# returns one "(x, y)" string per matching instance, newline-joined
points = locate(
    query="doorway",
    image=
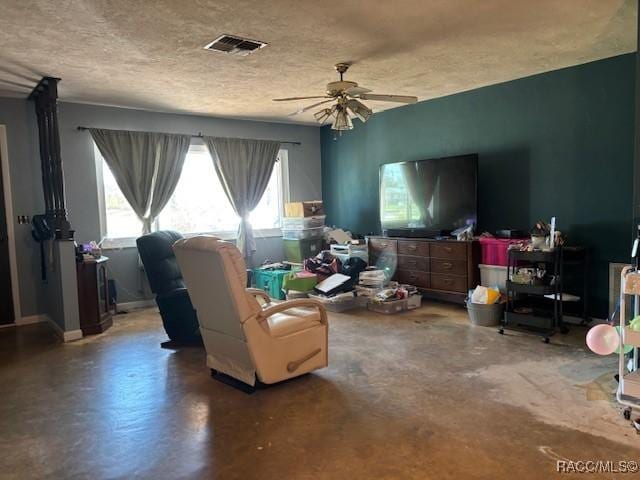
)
(7, 311)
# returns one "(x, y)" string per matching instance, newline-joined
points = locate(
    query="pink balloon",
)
(603, 339)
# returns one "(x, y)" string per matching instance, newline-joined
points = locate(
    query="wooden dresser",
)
(441, 269)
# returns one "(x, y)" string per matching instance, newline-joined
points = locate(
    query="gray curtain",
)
(146, 166)
(244, 168)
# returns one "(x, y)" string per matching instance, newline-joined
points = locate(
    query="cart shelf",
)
(628, 392)
(543, 321)
(530, 322)
(631, 337)
(535, 256)
(630, 384)
(530, 289)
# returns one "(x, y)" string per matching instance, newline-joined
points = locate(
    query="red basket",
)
(495, 250)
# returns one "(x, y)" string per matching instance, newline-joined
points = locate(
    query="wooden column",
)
(45, 96)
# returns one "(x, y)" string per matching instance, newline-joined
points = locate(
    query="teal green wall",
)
(558, 143)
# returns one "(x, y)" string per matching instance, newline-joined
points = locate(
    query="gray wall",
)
(81, 184)
(80, 172)
(61, 292)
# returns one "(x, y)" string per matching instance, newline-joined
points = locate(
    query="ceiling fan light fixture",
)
(322, 115)
(359, 109)
(347, 96)
(342, 121)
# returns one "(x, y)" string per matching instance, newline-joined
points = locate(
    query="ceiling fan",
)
(347, 96)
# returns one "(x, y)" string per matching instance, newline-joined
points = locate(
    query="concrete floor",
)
(419, 395)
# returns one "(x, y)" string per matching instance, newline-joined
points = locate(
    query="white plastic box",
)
(302, 234)
(390, 307)
(414, 301)
(339, 303)
(300, 223)
(493, 276)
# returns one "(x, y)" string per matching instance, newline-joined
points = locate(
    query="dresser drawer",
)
(412, 277)
(411, 247)
(454, 267)
(449, 250)
(453, 283)
(383, 245)
(383, 252)
(407, 262)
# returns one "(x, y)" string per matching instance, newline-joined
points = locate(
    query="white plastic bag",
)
(485, 296)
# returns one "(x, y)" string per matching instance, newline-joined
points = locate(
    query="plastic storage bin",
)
(302, 234)
(294, 294)
(485, 315)
(493, 276)
(270, 281)
(298, 250)
(299, 223)
(414, 301)
(495, 250)
(393, 306)
(340, 303)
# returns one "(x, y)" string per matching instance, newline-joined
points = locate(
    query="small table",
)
(93, 296)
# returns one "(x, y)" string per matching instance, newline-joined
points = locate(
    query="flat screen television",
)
(429, 197)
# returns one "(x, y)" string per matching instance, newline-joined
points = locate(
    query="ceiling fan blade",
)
(355, 91)
(309, 107)
(389, 98)
(298, 98)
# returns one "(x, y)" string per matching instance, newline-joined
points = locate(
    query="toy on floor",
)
(603, 339)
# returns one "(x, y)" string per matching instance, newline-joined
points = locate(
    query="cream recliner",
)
(243, 339)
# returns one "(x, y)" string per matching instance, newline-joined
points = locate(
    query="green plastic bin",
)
(298, 250)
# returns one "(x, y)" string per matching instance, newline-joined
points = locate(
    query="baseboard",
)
(72, 335)
(28, 320)
(69, 336)
(137, 304)
(31, 319)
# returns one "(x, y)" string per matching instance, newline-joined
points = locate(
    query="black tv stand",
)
(416, 233)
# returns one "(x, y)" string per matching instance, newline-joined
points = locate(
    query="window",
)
(198, 204)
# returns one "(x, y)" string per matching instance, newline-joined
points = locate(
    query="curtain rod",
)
(200, 135)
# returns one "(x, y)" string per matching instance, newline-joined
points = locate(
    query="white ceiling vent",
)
(235, 45)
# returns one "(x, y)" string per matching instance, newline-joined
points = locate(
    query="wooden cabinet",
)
(93, 296)
(441, 269)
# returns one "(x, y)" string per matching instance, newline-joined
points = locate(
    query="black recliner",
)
(178, 316)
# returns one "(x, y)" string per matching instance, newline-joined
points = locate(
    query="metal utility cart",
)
(628, 393)
(535, 308)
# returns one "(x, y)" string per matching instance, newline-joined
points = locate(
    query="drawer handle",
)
(384, 245)
(448, 249)
(412, 247)
(448, 281)
(412, 262)
(413, 277)
(447, 265)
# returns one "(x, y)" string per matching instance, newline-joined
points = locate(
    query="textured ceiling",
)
(148, 54)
